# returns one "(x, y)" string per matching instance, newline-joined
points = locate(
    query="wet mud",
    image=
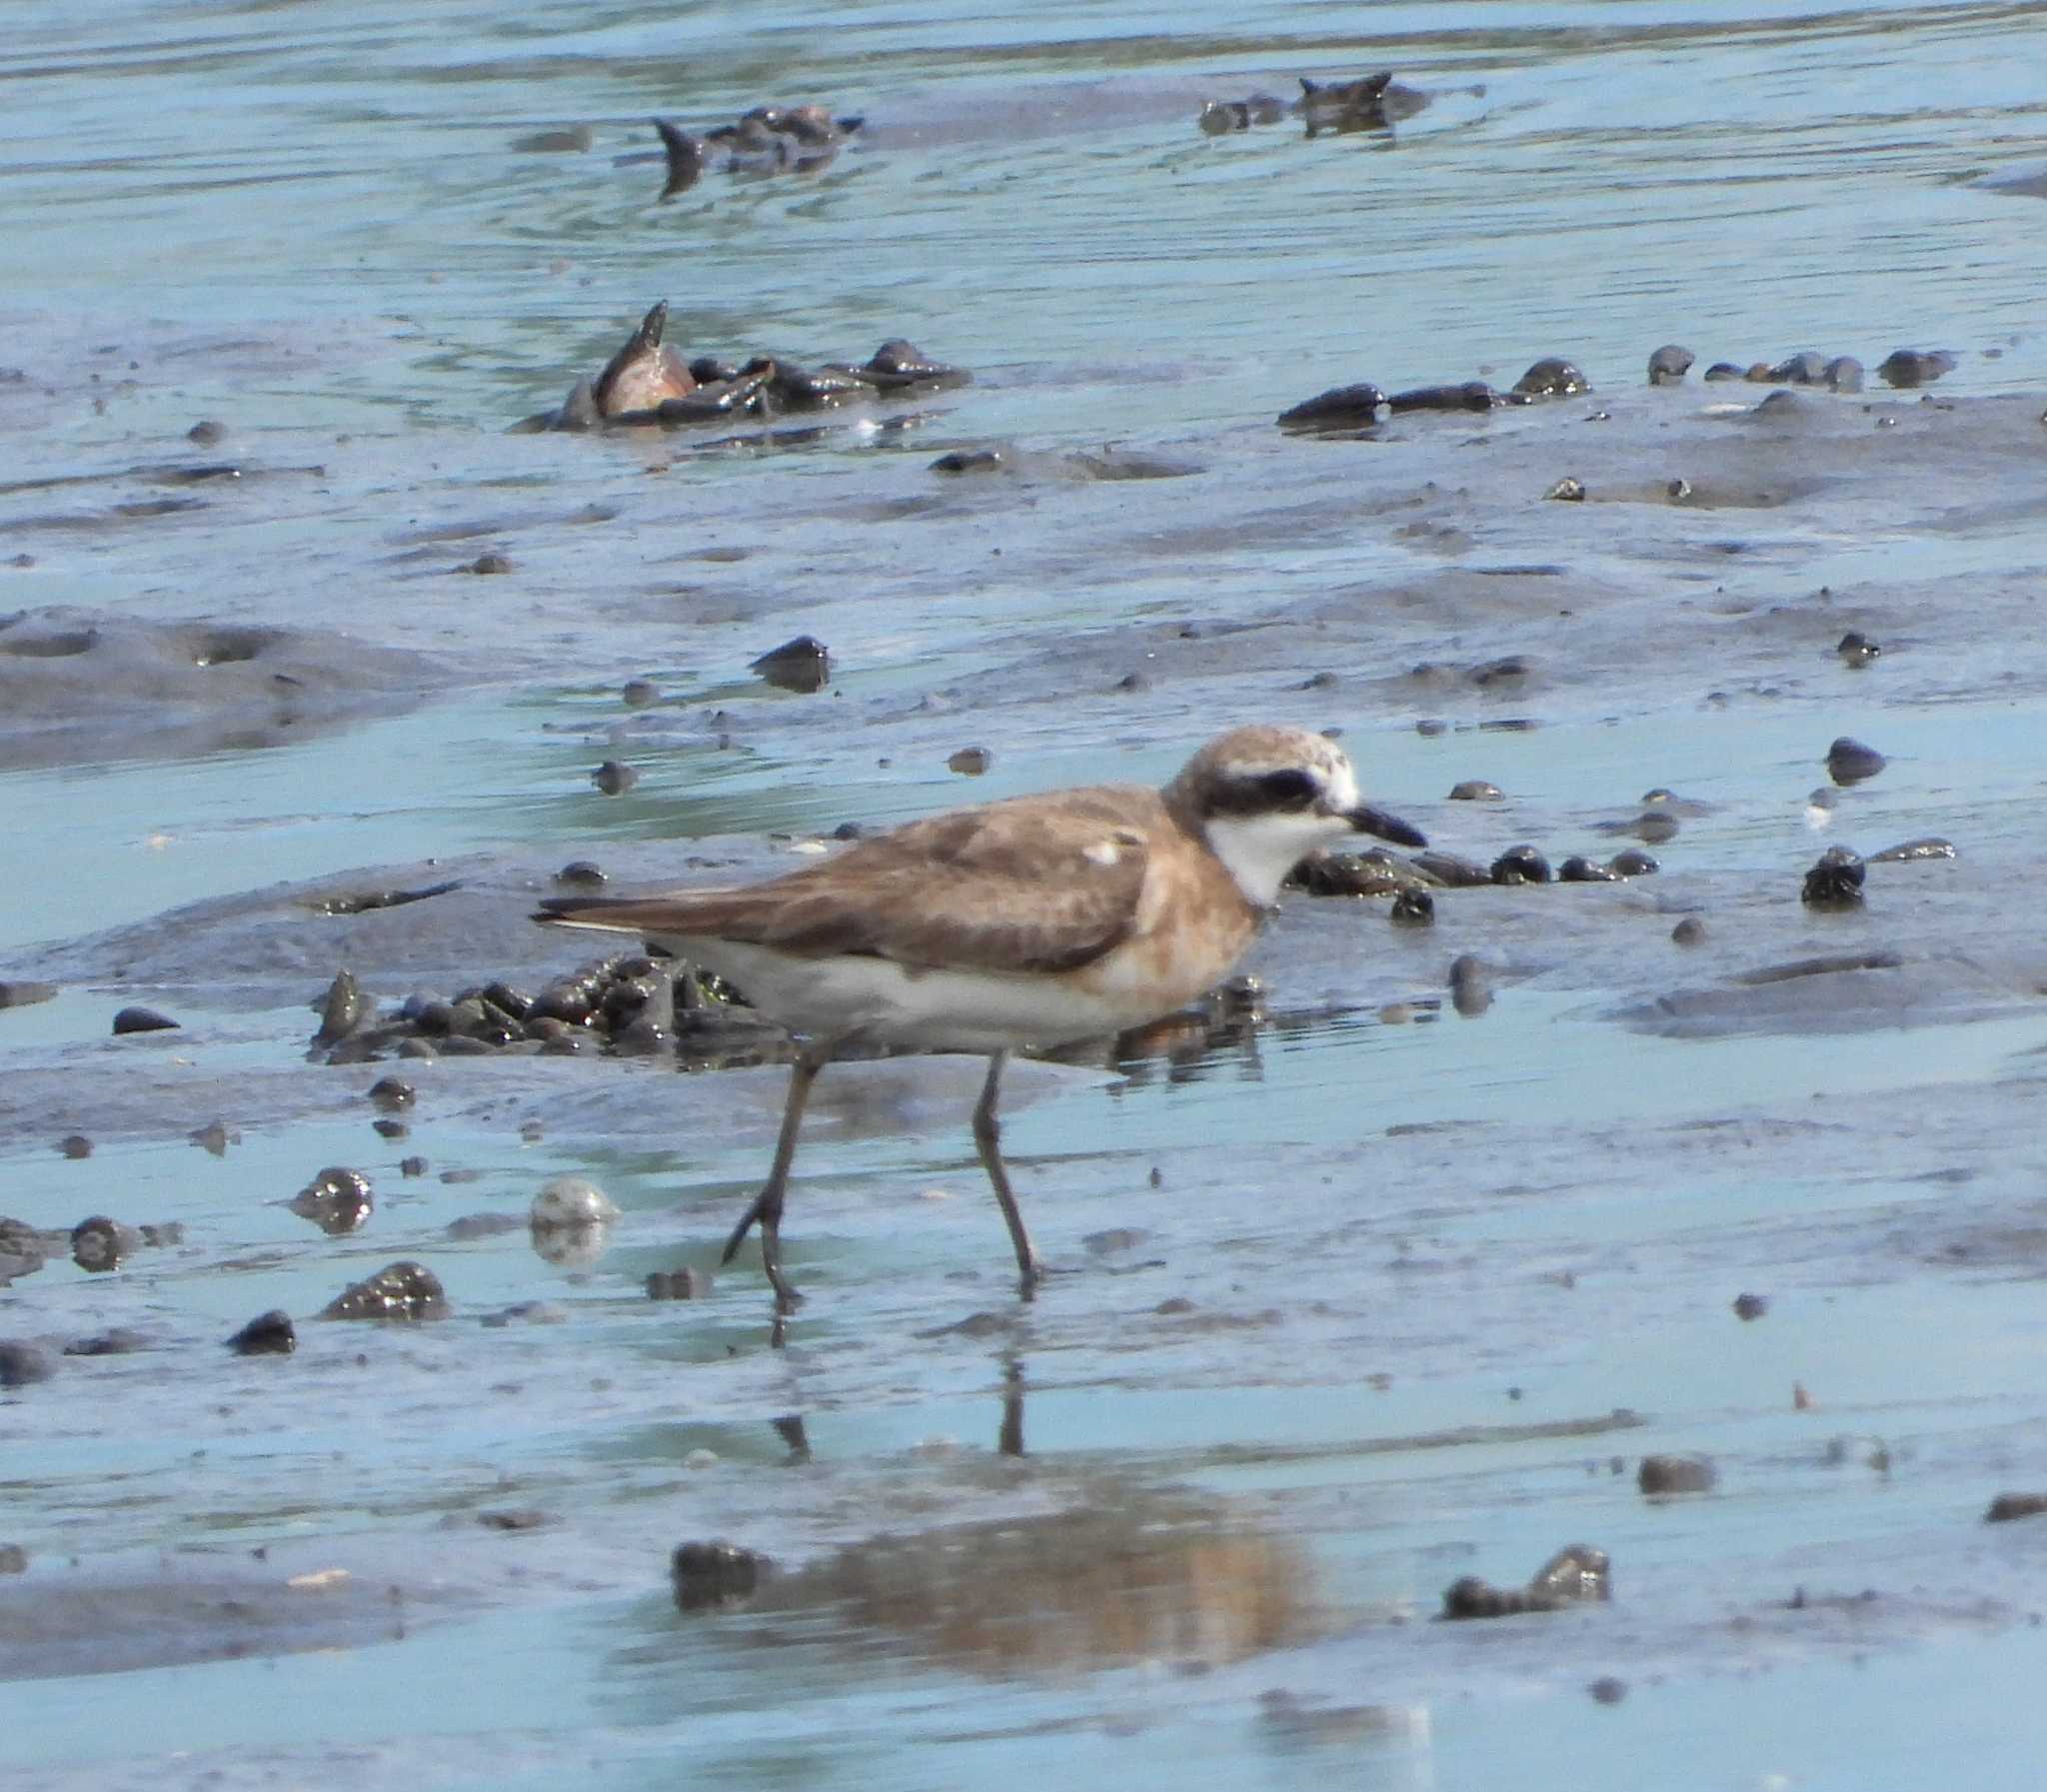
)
(1650, 1162)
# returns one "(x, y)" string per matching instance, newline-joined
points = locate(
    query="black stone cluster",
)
(1350, 409)
(629, 1004)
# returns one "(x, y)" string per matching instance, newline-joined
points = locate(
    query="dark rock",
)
(22, 994)
(1470, 986)
(13, 1559)
(581, 873)
(1835, 882)
(405, 1293)
(709, 1575)
(1750, 1306)
(1413, 908)
(268, 1334)
(337, 1201)
(142, 1021)
(1519, 865)
(678, 1284)
(971, 761)
(342, 1009)
(802, 665)
(1689, 932)
(614, 777)
(1359, 407)
(1850, 761)
(98, 1244)
(2007, 1507)
(972, 460)
(74, 1146)
(1914, 367)
(1660, 1475)
(21, 1363)
(487, 564)
(392, 1094)
(637, 694)
(1669, 364)
(117, 1341)
(1608, 1690)
(513, 1519)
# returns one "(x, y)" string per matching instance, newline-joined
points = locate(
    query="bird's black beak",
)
(1367, 819)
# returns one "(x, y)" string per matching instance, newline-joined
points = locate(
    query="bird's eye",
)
(1291, 789)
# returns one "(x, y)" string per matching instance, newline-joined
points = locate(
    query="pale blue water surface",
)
(1410, 1293)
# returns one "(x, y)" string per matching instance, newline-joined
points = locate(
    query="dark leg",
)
(767, 1205)
(987, 1141)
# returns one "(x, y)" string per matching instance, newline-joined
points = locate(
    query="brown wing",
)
(1040, 884)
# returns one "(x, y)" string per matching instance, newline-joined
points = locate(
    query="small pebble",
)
(21, 1363)
(1660, 1475)
(206, 432)
(637, 694)
(268, 1334)
(22, 994)
(614, 777)
(1606, 1690)
(1850, 761)
(1689, 932)
(142, 1021)
(2007, 1507)
(1750, 1306)
(971, 761)
(75, 1146)
(487, 564)
(572, 1201)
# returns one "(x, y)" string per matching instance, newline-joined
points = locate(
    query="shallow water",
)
(1409, 1294)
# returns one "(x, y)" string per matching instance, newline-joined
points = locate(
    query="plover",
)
(1036, 922)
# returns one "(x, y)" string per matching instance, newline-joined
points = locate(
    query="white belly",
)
(932, 1010)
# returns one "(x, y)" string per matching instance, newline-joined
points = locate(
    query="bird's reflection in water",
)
(1127, 1574)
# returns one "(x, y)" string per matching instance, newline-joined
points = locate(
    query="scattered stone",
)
(215, 1138)
(98, 1244)
(74, 1146)
(1850, 761)
(1519, 865)
(337, 1201)
(1576, 1574)
(614, 777)
(513, 1519)
(342, 1009)
(1669, 364)
(1689, 932)
(1341, 408)
(22, 1362)
(117, 1341)
(405, 1293)
(1413, 908)
(678, 1284)
(1750, 1306)
(1660, 1475)
(1914, 367)
(142, 1021)
(1470, 986)
(2007, 1507)
(971, 761)
(1911, 851)
(268, 1334)
(712, 1575)
(570, 1202)
(22, 994)
(802, 665)
(1835, 881)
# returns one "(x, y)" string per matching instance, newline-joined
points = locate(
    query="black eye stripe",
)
(1263, 792)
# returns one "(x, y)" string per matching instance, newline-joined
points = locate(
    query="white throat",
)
(1259, 851)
